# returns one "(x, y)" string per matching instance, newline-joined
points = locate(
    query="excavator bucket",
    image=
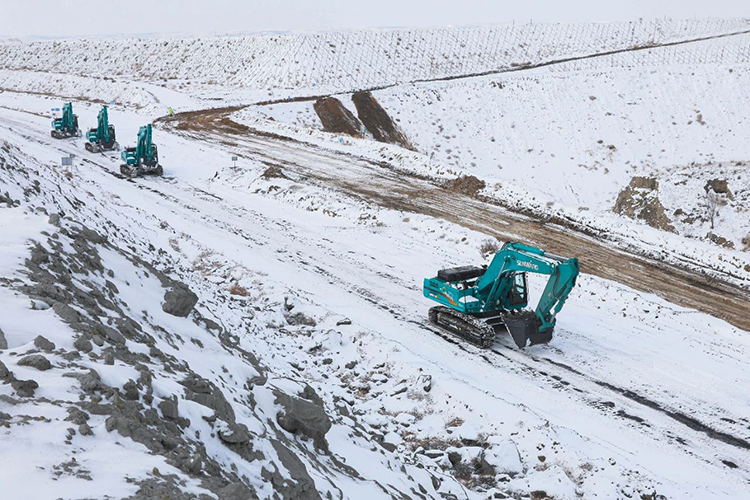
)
(524, 328)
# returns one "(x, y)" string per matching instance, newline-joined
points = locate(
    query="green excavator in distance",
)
(102, 137)
(143, 159)
(67, 125)
(480, 301)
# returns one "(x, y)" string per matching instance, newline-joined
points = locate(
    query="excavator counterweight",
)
(477, 302)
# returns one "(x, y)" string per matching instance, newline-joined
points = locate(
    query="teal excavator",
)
(143, 159)
(477, 302)
(67, 125)
(102, 138)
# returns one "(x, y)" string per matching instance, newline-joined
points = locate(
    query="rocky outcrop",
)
(640, 200)
(304, 416)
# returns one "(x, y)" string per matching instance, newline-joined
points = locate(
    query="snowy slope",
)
(251, 248)
(304, 365)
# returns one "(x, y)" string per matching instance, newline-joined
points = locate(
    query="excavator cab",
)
(518, 294)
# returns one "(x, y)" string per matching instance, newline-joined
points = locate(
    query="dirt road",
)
(382, 185)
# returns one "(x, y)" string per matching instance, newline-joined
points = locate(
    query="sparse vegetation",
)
(489, 248)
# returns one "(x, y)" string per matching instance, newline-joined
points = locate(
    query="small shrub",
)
(238, 289)
(489, 248)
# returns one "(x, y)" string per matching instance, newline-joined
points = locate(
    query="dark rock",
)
(236, 491)
(454, 457)
(299, 319)
(35, 361)
(350, 365)
(302, 486)
(301, 415)
(328, 361)
(83, 344)
(66, 313)
(90, 382)
(131, 390)
(3, 341)
(309, 393)
(169, 409)
(110, 334)
(85, 430)
(96, 339)
(197, 384)
(44, 344)
(179, 301)
(4, 372)
(388, 446)
(24, 388)
(76, 416)
(203, 392)
(344, 322)
(234, 434)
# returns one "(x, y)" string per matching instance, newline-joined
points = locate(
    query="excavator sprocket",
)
(469, 328)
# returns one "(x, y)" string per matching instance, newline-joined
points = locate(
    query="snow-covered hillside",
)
(257, 329)
(567, 140)
(330, 62)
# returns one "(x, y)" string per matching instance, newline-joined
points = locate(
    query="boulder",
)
(35, 361)
(303, 416)
(83, 344)
(179, 301)
(44, 344)
(24, 388)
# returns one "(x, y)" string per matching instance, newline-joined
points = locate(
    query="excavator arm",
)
(516, 257)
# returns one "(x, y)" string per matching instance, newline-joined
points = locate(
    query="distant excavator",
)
(102, 138)
(480, 301)
(143, 159)
(67, 125)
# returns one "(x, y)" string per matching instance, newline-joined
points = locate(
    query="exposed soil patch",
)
(468, 185)
(336, 118)
(640, 200)
(378, 122)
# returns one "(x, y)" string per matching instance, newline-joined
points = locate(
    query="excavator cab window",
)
(518, 291)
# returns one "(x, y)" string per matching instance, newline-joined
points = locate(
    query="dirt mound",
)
(336, 118)
(468, 185)
(719, 186)
(640, 200)
(377, 121)
(273, 172)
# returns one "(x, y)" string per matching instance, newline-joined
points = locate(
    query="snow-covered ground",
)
(565, 140)
(298, 284)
